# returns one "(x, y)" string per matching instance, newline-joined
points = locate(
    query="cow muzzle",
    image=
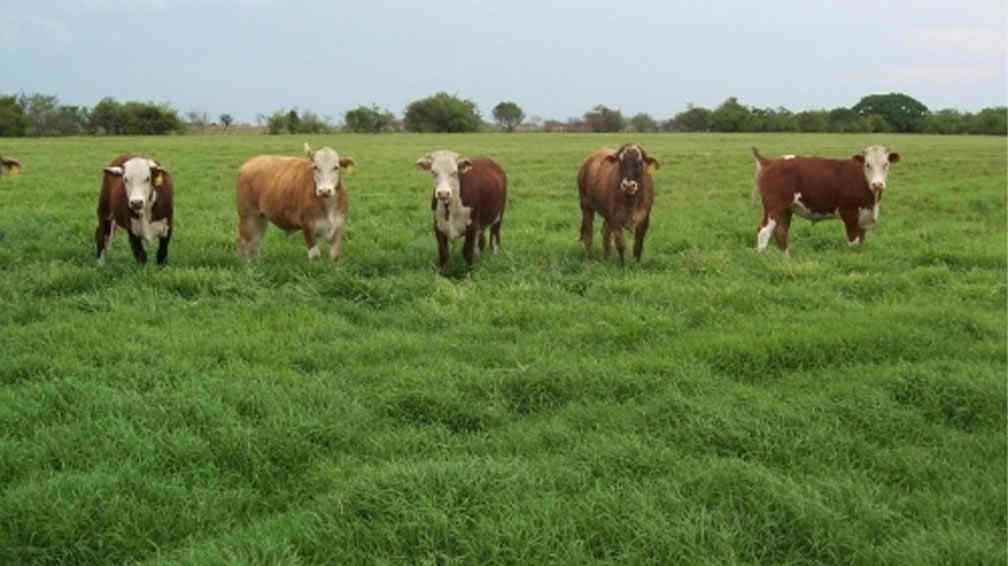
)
(325, 192)
(629, 187)
(136, 203)
(877, 185)
(442, 194)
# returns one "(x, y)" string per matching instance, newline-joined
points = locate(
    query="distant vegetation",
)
(44, 115)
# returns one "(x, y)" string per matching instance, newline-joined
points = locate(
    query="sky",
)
(555, 59)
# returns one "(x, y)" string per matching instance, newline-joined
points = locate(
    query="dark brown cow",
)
(294, 194)
(136, 194)
(617, 184)
(469, 196)
(10, 166)
(820, 189)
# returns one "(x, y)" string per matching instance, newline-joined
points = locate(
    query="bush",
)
(604, 119)
(442, 112)
(371, 120)
(509, 115)
(13, 121)
(643, 122)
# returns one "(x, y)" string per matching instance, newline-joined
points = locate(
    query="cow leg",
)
(766, 228)
(620, 242)
(162, 250)
(781, 231)
(103, 235)
(309, 239)
(334, 243)
(138, 250)
(606, 239)
(442, 246)
(587, 219)
(855, 233)
(482, 240)
(638, 244)
(469, 247)
(495, 236)
(250, 233)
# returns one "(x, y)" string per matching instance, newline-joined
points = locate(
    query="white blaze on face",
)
(446, 169)
(875, 161)
(325, 169)
(139, 176)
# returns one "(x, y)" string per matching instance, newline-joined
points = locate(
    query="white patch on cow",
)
(314, 253)
(799, 208)
(855, 242)
(867, 217)
(788, 156)
(327, 226)
(147, 229)
(325, 170)
(453, 219)
(876, 161)
(763, 237)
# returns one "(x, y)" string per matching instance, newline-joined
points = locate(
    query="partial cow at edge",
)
(294, 194)
(469, 195)
(617, 184)
(10, 166)
(817, 188)
(137, 195)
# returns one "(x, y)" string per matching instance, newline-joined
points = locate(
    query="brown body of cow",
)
(284, 190)
(483, 189)
(616, 184)
(10, 166)
(817, 188)
(154, 220)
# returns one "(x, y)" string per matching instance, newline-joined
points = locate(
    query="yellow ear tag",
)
(651, 168)
(349, 168)
(14, 170)
(158, 180)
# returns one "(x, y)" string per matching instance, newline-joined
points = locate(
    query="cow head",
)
(634, 163)
(326, 164)
(140, 176)
(446, 168)
(875, 160)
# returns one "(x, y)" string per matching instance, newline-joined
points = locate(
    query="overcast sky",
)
(556, 59)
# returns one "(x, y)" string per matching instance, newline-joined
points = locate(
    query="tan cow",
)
(10, 166)
(294, 194)
(617, 184)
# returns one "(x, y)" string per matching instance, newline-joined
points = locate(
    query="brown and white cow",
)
(294, 194)
(617, 184)
(10, 166)
(820, 189)
(136, 194)
(469, 195)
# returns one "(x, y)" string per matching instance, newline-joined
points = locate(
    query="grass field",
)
(710, 405)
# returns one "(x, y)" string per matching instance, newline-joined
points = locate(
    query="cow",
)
(469, 195)
(817, 188)
(617, 184)
(294, 194)
(10, 166)
(136, 194)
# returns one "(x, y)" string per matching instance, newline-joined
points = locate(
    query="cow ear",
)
(893, 157)
(308, 151)
(464, 166)
(858, 157)
(115, 171)
(157, 174)
(652, 164)
(613, 156)
(424, 163)
(347, 164)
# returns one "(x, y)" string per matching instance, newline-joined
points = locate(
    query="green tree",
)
(509, 115)
(812, 121)
(990, 121)
(226, 119)
(841, 119)
(363, 119)
(604, 119)
(293, 121)
(442, 112)
(105, 117)
(903, 113)
(731, 116)
(40, 109)
(693, 119)
(643, 122)
(13, 121)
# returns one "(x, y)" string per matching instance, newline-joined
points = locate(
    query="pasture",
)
(710, 405)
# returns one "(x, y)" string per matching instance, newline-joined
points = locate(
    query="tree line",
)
(43, 115)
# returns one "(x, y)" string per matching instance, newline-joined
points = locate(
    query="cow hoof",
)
(314, 254)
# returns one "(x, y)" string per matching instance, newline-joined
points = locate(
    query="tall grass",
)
(708, 405)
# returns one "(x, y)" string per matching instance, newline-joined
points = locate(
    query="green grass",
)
(710, 405)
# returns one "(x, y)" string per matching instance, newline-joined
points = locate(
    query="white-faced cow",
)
(617, 184)
(294, 194)
(820, 189)
(469, 195)
(137, 195)
(10, 166)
